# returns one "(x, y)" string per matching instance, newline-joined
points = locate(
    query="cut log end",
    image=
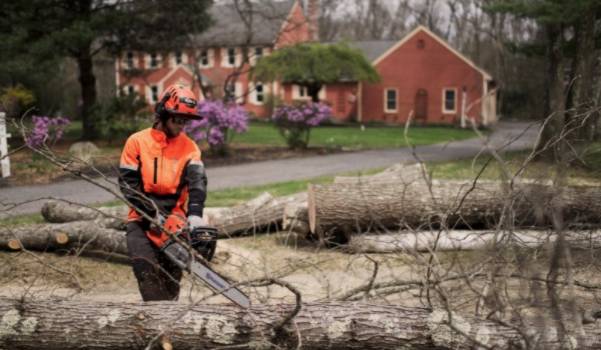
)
(61, 238)
(14, 244)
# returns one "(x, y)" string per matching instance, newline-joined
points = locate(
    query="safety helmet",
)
(178, 100)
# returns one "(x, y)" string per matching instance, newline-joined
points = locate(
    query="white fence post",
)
(4, 160)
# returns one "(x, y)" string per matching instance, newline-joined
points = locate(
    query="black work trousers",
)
(158, 278)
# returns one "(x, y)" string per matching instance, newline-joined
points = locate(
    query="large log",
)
(64, 325)
(459, 240)
(254, 216)
(58, 212)
(111, 217)
(342, 209)
(90, 235)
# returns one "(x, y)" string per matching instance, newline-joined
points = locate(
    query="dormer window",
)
(178, 57)
(204, 58)
(154, 60)
(231, 56)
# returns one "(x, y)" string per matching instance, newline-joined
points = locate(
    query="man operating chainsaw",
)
(163, 177)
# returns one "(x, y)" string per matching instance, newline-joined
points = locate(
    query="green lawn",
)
(587, 173)
(355, 137)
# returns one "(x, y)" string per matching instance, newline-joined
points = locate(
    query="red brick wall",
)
(295, 30)
(432, 68)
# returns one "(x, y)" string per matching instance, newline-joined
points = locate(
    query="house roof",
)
(229, 29)
(372, 49)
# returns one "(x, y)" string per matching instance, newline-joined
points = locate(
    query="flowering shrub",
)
(46, 130)
(217, 124)
(295, 122)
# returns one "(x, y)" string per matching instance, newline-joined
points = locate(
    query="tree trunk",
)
(581, 96)
(253, 217)
(426, 241)
(79, 235)
(550, 145)
(68, 325)
(337, 210)
(59, 212)
(313, 91)
(87, 82)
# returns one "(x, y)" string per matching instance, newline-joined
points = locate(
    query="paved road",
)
(510, 135)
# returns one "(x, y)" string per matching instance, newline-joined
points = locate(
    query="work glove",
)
(195, 221)
(202, 238)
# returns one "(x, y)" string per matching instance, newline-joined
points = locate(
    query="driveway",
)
(506, 135)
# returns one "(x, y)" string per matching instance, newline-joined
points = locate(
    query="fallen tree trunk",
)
(341, 209)
(68, 325)
(79, 235)
(110, 217)
(254, 216)
(458, 240)
(59, 212)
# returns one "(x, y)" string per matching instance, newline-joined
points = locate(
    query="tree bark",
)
(87, 81)
(253, 217)
(338, 210)
(79, 235)
(59, 212)
(68, 325)
(460, 240)
(550, 145)
(581, 95)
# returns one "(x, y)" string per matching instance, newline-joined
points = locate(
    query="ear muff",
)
(159, 108)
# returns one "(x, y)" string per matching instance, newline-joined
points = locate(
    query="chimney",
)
(313, 18)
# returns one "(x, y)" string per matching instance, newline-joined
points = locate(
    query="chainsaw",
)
(204, 241)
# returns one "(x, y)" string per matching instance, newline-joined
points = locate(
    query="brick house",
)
(424, 76)
(222, 55)
(421, 74)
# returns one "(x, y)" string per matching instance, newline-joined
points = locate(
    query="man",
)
(162, 176)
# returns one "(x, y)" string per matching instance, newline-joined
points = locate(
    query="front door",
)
(421, 105)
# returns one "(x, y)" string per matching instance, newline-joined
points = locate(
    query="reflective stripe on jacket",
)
(167, 171)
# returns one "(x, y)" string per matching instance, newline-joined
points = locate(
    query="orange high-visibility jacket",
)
(168, 171)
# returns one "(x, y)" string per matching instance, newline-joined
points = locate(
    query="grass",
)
(587, 173)
(355, 136)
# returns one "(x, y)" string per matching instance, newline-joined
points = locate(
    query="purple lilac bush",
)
(295, 122)
(218, 122)
(46, 130)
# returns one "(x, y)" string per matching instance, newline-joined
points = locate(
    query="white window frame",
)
(444, 100)
(130, 90)
(396, 100)
(297, 89)
(174, 59)
(254, 95)
(148, 59)
(210, 57)
(225, 57)
(254, 57)
(149, 94)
